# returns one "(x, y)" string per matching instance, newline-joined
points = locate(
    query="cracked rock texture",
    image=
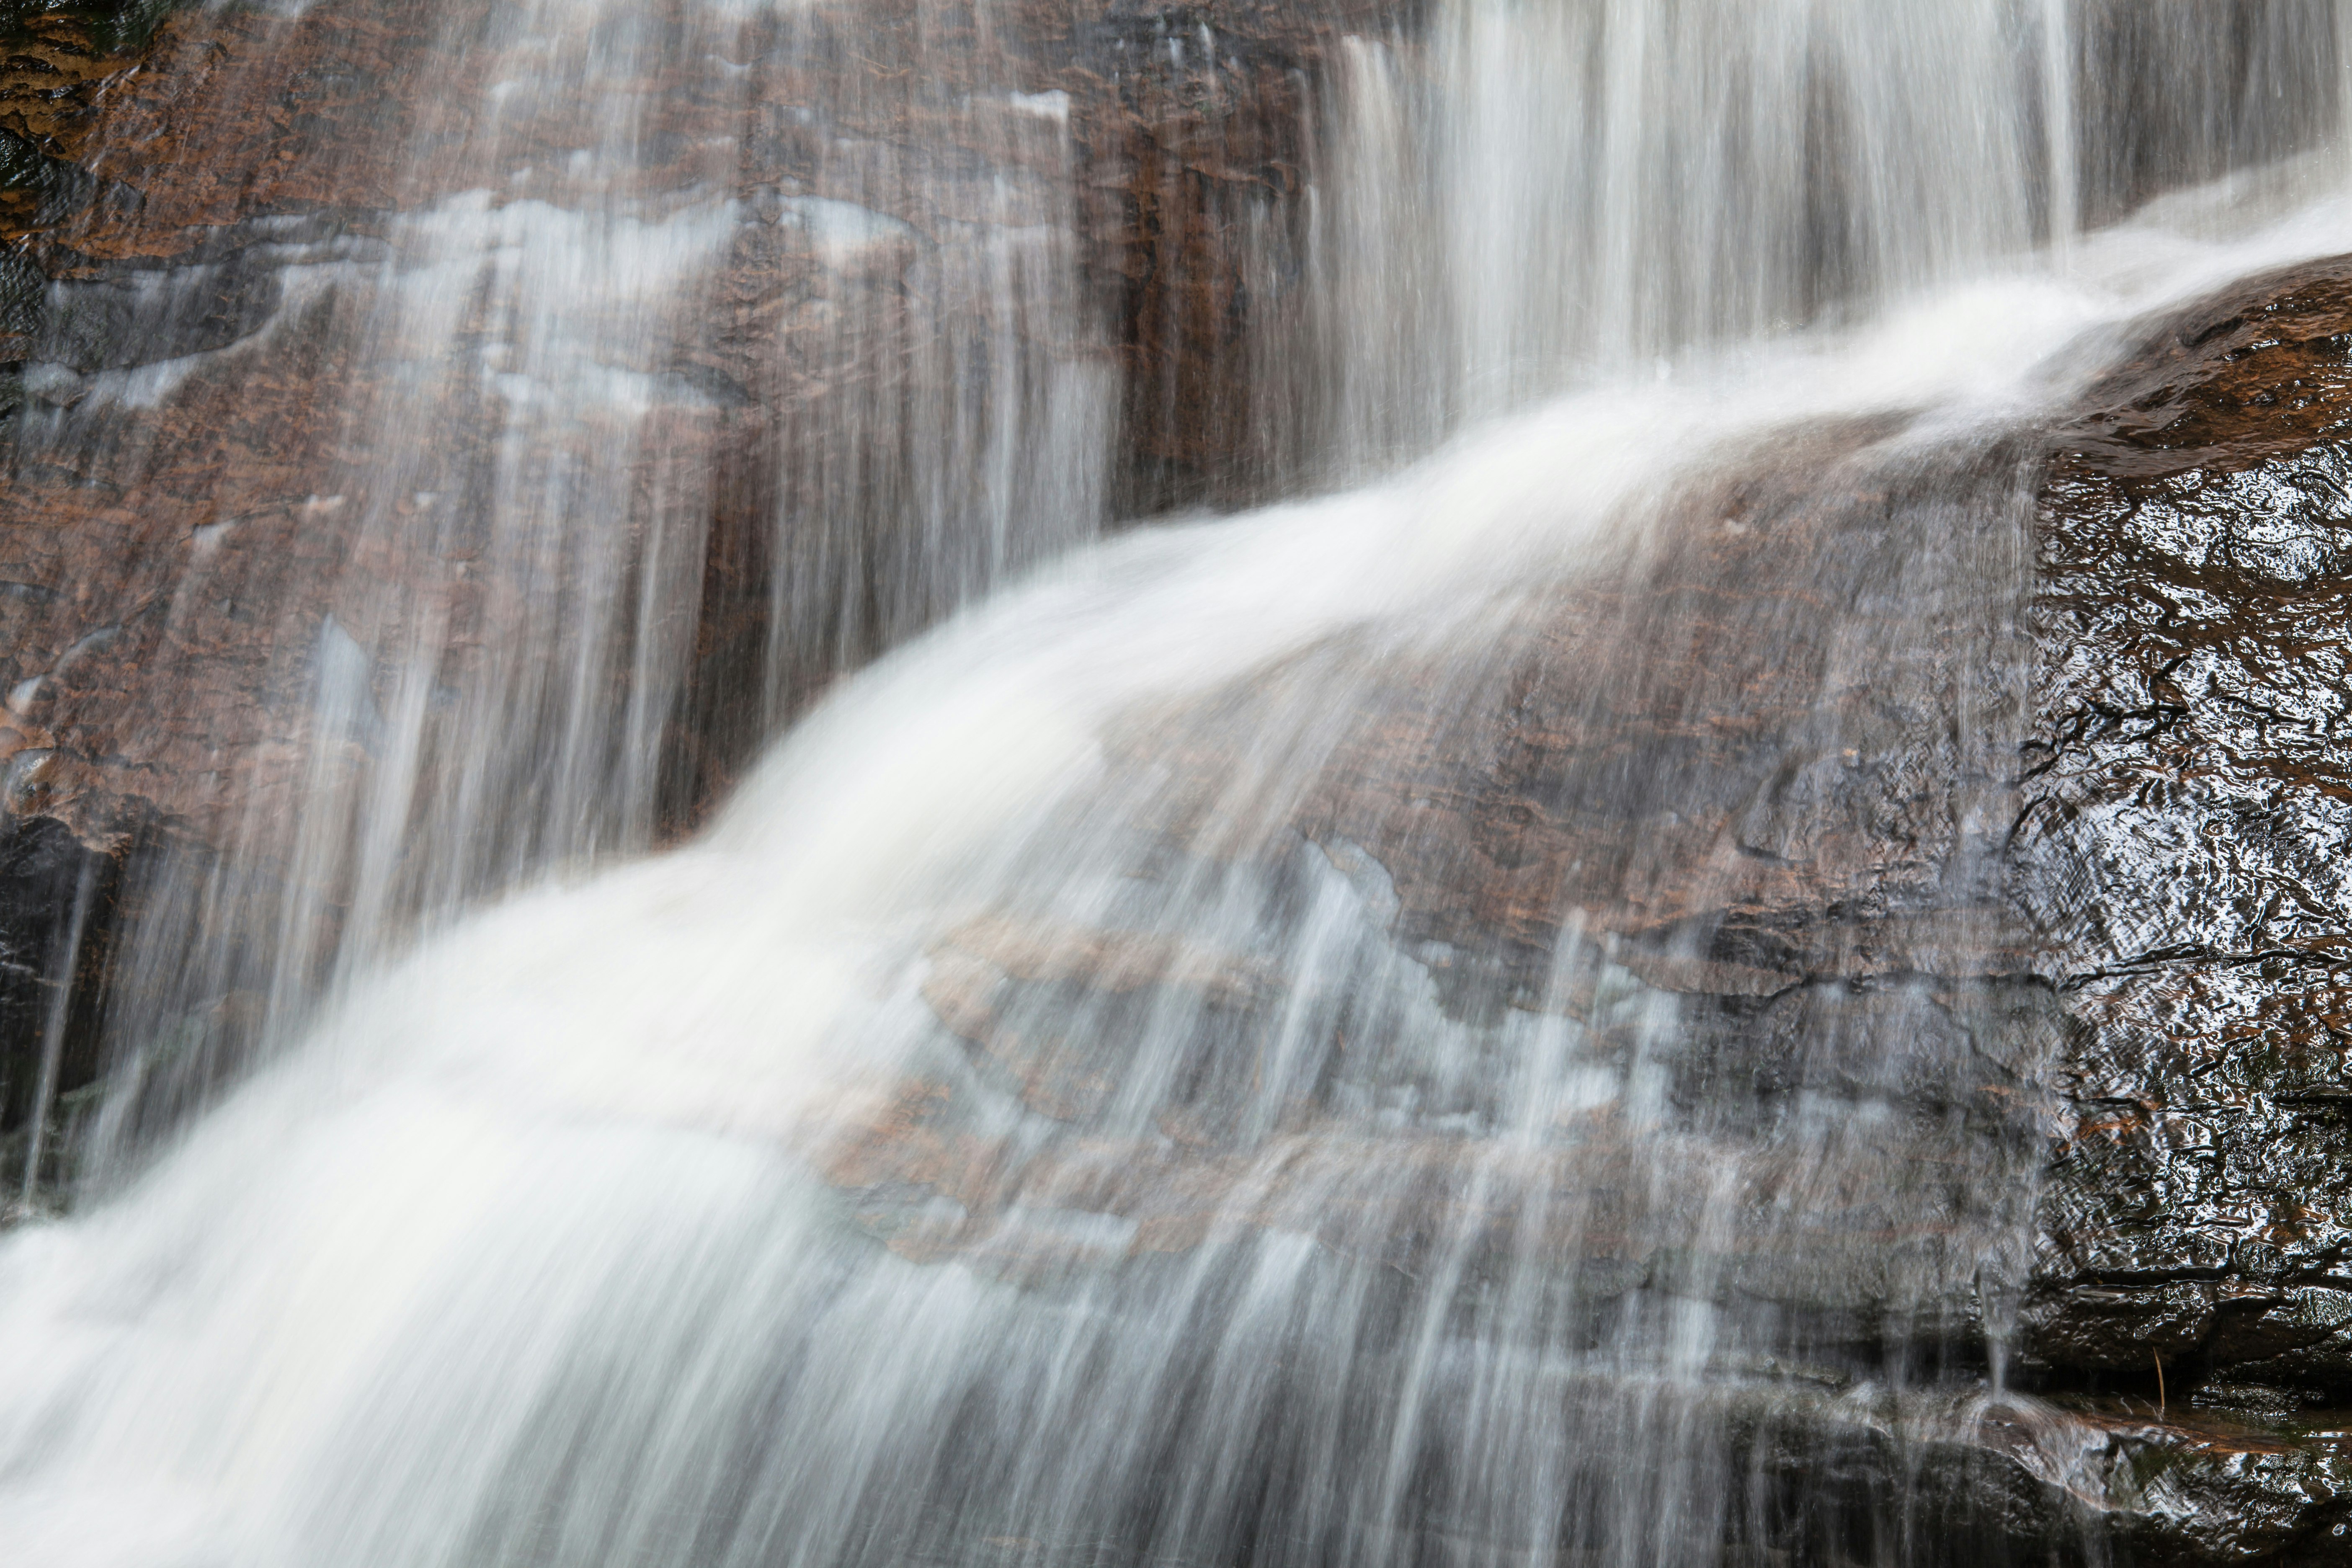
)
(2184, 842)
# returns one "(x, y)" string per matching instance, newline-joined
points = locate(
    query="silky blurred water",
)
(582, 550)
(1008, 1133)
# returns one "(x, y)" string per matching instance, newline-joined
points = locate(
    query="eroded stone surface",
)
(2184, 842)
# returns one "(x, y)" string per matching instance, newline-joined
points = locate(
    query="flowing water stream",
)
(1061, 1110)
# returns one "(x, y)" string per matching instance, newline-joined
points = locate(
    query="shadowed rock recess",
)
(2041, 844)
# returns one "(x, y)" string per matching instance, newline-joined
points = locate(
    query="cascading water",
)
(1714, 172)
(1062, 1111)
(580, 502)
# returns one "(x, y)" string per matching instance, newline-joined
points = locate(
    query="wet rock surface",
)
(2076, 894)
(1713, 827)
(55, 891)
(2183, 843)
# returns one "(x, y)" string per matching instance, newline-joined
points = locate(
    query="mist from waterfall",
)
(1040, 1118)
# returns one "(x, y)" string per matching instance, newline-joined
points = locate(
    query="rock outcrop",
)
(2184, 841)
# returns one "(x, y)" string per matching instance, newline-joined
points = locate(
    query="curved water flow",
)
(592, 1233)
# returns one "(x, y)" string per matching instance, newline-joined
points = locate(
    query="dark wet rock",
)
(2184, 843)
(35, 189)
(43, 869)
(124, 319)
(2019, 1479)
(58, 899)
(2202, 1487)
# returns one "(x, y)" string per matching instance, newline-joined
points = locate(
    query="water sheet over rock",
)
(1733, 969)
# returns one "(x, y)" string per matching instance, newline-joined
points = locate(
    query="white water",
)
(1536, 192)
(556, 427)
(535, 1249)
(521, 1257)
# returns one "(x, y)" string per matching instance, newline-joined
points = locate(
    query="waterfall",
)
(1529, 193)
(1066, 1106)
(586, 527)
